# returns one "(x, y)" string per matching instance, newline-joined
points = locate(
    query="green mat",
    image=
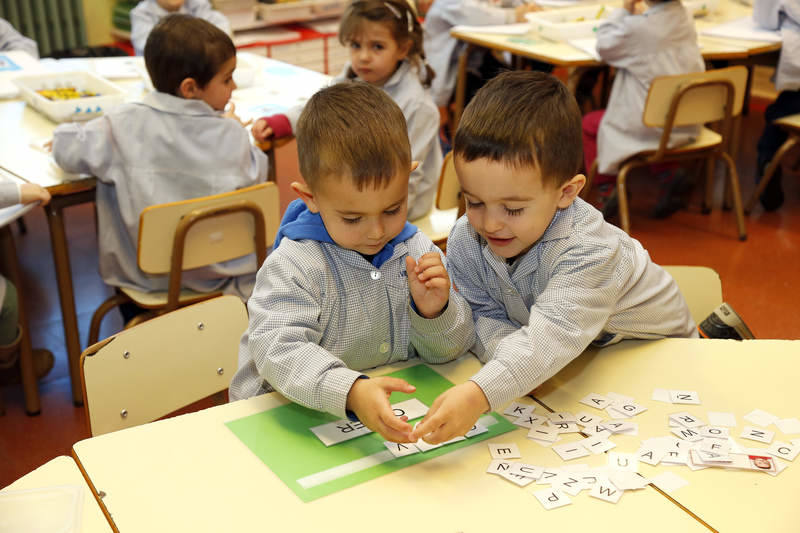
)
(281, 438)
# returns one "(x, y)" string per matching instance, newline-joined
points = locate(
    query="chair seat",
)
(436, 225)
(155, 300)
(791, 122)
(707, 139)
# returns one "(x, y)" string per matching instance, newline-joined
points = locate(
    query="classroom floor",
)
(759, 278)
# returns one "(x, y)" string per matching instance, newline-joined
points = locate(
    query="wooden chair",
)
(690, 99)
(150, 370)
(447, 208)
(701, 288)
(194, 233)
(792, 125)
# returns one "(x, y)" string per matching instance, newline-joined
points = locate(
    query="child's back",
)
(11, 39)
(148, 12)
(660, 42)
(164, 149)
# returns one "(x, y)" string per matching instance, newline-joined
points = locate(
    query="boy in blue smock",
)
(173, 145)
(350, 284)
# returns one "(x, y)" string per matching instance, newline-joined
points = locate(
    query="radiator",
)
(53, 24)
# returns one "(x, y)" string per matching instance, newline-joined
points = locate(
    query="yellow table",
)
(192, 474)
(729, 376)
(63, 471)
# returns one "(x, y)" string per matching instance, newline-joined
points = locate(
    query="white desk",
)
(730, 376)
(192, 474)
(276, 86)
(63, 471)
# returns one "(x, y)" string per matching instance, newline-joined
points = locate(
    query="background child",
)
(11, 39)
(148, 12)
(350, 284)
(659, 42)
(545, 275)
(785, 16)
(385, 41)
(11, 194)
(174, 145)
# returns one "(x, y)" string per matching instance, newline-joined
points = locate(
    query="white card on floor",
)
(519, 409)
(788, 426)
(504, 451)
(760, 418)
(650, 456)
(623, 461)
(784, 450)
(543, 433)
(517, 479)
(530, 421)
(661, 395)
(686, 420)
(757, 434)
(477, 429)
(721, 419)
(606, 491)
(499, 467)
(715, 432)
(692, 435)
(598, 401)
(629, 408)
(587, 419)
(669, 482)
(551, 499)
(411, 408)
(597, 444)
(401, 449)
(524, 469)
(684, 396)
(570, 450)
(339, 431)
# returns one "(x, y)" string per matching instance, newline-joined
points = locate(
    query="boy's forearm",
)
(446, 337)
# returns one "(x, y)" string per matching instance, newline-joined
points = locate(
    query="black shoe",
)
(675, 186)
(772, 197)
(724, 323)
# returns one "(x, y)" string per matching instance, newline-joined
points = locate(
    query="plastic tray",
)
(109, 95)
(569, 22)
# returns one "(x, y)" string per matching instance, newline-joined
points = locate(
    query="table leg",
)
(58, 241)
(30, 388)
(461, 87)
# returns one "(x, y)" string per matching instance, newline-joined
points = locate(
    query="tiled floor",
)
(759, 279)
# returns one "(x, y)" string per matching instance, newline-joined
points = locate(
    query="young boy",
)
(350, 284)
(174, 145)
(147, 14)
(544, 274)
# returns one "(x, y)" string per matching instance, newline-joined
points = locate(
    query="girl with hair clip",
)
(385, 42)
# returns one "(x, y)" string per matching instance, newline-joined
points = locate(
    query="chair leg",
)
(733, 178)
(769, 172)
(709, 197)
(622, 199)
(101, 312)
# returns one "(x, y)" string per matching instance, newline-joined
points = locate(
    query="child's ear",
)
(414, 165)
(570, 190)
(189, 89)
(406, 48)
(305, 194)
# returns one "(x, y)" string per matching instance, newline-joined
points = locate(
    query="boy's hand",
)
(369, 400)
(519, 11)
(30, 192)
(230, 112)
(632, 7)
(452, 414)
(261, 130)
(429, 284)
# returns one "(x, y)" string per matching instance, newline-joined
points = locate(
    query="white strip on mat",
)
(331, 474)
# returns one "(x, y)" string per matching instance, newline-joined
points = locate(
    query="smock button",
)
(384, 347)
(375, 275)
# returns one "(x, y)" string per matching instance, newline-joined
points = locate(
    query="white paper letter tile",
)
(598, 401)
(721, 419)
(504, 451)
(684, 396)
(519, 409)
(757, 434)
(550, 499)
(760, 418)
(570, 450)
(400, 449)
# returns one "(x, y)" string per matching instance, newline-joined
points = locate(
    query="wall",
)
(98, 21)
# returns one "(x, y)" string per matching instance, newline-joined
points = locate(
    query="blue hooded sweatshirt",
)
(300, 223)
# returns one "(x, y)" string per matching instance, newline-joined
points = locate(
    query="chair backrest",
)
(701, 288)
(161, 365)
(448, 195)
(695, 98)
(216, 228)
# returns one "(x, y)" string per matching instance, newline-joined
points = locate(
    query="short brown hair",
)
(183, 46)
(524, 119)
(355, 129)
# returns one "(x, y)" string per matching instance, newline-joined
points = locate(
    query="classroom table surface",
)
(58, 472)
(730, 376)
(191, 472)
